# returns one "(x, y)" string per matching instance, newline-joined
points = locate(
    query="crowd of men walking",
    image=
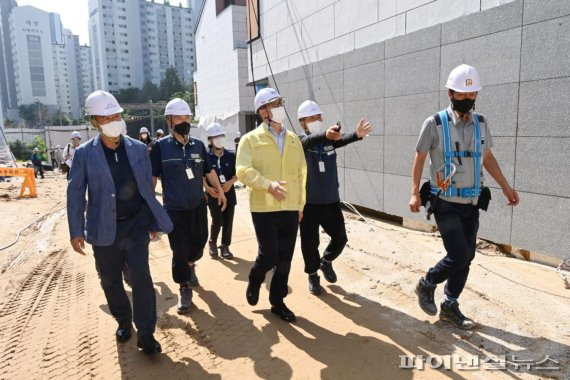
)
(293, 184)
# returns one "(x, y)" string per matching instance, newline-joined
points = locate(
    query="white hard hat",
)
(464, 78)
(160, 131)
(308, 108)
(177, 107)
(36, 150)
(57, 146)
(264, 96)
(75, 134)
(215, 129)
(101, 103)
(143, 130)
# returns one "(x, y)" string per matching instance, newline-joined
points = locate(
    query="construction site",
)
(56, 323)
(392, 76)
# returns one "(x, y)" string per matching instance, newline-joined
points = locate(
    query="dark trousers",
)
(331, 219)
(38, 169)
(221, 220)
(276, 234)
(131, 244)
(458, 225)
(187, 239)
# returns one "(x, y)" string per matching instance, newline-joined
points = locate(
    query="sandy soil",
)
(55, 322)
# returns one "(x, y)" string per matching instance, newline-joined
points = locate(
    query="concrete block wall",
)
(522, 51)
(300, 32)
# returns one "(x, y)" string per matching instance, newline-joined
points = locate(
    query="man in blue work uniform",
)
(459, 144)
(224, 162)
(323, 200)
(181, 161)
(122, 216)
(37, 163)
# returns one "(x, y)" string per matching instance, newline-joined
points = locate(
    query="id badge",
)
(189, 173)
(321, 166)
(222, 178)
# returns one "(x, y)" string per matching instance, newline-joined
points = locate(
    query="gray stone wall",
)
(522, 51)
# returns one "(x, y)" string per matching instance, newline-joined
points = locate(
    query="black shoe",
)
(185, 301)
(193, 280)
(450, 313)
(283, 312)
(252, 294)
(226, 254)
(425, 294)
(213, 249)
(124, 331)
(328, 271)
(315, 284)
(148, 344)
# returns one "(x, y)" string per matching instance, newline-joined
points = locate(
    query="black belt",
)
(130, 215)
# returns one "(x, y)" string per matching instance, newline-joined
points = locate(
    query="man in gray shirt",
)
(459, 145)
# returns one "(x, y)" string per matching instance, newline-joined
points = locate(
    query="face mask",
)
(182, 128)
(462, 106)
(114, 128)
(279, 115)
(315, 126)
(219, 142)
(144, 135)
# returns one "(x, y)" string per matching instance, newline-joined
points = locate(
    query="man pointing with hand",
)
(271, 163)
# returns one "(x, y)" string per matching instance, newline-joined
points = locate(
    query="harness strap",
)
(441, 118)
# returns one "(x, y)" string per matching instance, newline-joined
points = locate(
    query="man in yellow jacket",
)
(271, 163)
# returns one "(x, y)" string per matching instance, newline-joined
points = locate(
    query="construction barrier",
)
(29, 179)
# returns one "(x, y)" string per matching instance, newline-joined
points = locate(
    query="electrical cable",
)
(28, 226)
(268, 63)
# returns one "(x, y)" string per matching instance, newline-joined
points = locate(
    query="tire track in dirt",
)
(30, 302)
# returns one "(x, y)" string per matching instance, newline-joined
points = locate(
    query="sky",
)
(74, 14)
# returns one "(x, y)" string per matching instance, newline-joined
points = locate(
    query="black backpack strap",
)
(437, 119)
(481, 118)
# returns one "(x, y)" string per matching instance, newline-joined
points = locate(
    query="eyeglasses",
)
(277, 103)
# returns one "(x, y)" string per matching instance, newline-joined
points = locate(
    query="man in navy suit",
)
(122, 216)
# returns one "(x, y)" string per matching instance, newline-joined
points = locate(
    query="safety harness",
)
(442, 119)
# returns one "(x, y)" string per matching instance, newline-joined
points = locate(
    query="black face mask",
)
(182, 128)
(462, 106)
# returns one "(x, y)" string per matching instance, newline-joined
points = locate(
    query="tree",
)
(170, 84)
(10, 124)
(39, 143)
(19, 150)
(64, 120)
(29, 113)
(128, 95)
(150, 91)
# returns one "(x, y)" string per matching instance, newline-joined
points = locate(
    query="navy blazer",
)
(90, 172)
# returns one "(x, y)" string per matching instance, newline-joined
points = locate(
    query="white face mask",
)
(219, 142)
(114, 128)
(279, 114)
(315, 126)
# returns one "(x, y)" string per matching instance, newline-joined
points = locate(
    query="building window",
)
(252, 19)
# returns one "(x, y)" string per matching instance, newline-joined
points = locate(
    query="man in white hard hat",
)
(122, 216)
(159, 134)
(459, 144)
(323, 199)
(181, 162)
(224, 163)
(69, 150)
(37, 163)
(271, 163)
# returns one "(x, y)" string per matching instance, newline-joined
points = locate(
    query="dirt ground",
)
(55, 322)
